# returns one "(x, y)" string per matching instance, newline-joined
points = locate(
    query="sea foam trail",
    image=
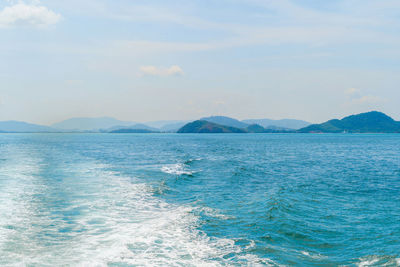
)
(17, 186)
(76, 212)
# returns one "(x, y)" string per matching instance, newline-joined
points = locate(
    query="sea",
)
(199, 199)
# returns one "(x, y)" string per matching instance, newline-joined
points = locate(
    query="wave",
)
(376, 260)
(315, 256)
(177, 169)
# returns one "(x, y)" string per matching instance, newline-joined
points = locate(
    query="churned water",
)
(199, 200)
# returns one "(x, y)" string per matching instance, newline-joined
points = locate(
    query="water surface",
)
(199, 200)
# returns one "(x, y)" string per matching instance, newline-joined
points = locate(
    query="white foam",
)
(251, 245)
(367, 262)
(177, 169)
(16, 189)
(378, 260)
(313, 255)
(119, 221)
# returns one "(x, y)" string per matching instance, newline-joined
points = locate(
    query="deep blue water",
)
(199, 200)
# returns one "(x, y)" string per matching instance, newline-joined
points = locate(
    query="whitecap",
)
(367, 262)
(312, 255)
(177, 169)
(378, 260)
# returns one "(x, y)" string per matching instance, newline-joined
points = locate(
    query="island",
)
(201, 126)
(369, 122)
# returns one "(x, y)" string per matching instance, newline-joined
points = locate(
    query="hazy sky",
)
(144, 60)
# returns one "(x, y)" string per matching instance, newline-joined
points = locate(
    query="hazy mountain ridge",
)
(266, 123)
(90, 124)
(166, 124)
(20, 127)
(369, 122)
(283, 123)
(109, 124)
(226, 121)
(137, 126)
(173, 127)
(106, 124)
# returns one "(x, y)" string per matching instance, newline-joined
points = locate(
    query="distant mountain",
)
(370, 122)
(226, 121)
(166, 123)
(138, 126)
(173, 127)
(87, 124)
(279, 125)
(201, 126)
(255, 128)
(109, 124)
(24, 127)
(284, 123)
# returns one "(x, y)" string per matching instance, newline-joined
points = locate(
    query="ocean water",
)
(199, 200)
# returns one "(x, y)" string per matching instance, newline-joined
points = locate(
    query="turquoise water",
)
(199, 200)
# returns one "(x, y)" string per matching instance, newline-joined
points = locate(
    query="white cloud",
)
(155, 71)
(27, 15)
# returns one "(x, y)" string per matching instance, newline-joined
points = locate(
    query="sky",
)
(143, 60)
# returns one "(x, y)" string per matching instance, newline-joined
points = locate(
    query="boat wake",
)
(80, 213)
